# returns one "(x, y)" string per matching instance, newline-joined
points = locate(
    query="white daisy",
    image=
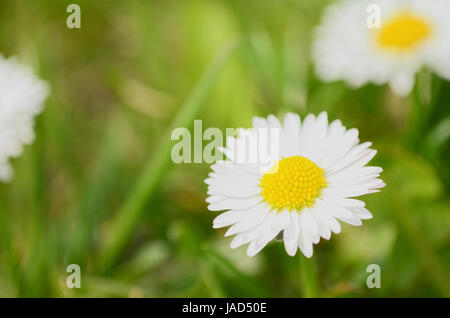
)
(411, 34)
(21, 98)
(308, 189)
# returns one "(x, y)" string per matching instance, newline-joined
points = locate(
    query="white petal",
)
(273, 121)
(313, 134)
(214, 198)
(323, 222)
(269, 233)
(309, 225)
(334, 210)
(253, 234)
(305, 243)
(345, 191)
(343, 202)
(234, 190)
(255, 217)
(259, 122)
(348, 176)
(402, 83)
(234, 203)
(229, 217)
(362, 213)
(291, 235)
(292, 124)
(340, 147)
(352, 221)
(354, 154)
(291, 135)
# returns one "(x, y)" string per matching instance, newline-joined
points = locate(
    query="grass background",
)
(97, 188)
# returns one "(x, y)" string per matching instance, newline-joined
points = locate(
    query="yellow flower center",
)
(403, 32)
(292, 183)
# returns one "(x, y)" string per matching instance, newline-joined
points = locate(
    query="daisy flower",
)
(21, 98)
(305, 191)
(411, 34)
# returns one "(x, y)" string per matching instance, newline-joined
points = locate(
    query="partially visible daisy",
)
(21, 98)
(309, 187)
(412, 34)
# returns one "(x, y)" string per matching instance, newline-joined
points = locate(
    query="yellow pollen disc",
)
(292, 183)
(404, 32)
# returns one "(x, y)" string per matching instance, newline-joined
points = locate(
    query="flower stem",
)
(309, 277)
(131, 210)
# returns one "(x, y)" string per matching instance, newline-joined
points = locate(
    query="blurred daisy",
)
(411, 34)
(304, 193)
(21, 98)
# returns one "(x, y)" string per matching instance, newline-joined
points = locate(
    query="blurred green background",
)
(97, 187)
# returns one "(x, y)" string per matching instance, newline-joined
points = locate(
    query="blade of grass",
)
(11, 262)
(128, 215)
(42, 249)
(94, 195)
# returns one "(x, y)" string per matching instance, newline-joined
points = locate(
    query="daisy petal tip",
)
(217, 226)
(291, 249)
(229, 232)
(291, 252)
(214, 207)
(336, 230)
(323, 116)
(291, 115)
(251, 253)
(234, 244)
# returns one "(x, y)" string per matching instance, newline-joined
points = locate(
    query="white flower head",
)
(412, 34)
(309, 188)
(21, 98)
